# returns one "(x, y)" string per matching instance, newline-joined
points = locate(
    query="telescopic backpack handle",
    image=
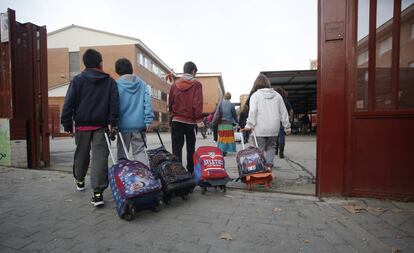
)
(159, 136)
(123, 145)
(242, 141)
(143, 138)
(254, 137)
(109, 147)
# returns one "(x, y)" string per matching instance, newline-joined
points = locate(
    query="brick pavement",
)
(41, 211)
(295, 173)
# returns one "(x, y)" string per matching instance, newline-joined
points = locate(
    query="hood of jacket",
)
(185, 82)
(130, 83)
(267, 93)
(94, 75)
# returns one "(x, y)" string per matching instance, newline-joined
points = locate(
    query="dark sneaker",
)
(80, 185)
(97, 199)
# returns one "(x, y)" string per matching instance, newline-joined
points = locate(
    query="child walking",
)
(92, 102)
(266, 111)
(135, 110)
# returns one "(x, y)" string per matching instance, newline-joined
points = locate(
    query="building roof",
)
(301, 86)
(137, 41)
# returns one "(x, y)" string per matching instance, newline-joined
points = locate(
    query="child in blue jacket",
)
(135, 110)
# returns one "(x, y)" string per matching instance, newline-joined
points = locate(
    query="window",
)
(156, 116)
(155, 68)
(412, 31)
(74, 64)
(363, 58)
(406, 68)
(156, 93)
(385, 45)
(161, 74)
(160, 117)
(377, 87)
(141, 59)
(163, 96)
(361, 85)
(147, 63)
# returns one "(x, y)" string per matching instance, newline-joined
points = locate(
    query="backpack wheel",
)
(130, 213)
(184, 197)
(167, 201)
(157, 207)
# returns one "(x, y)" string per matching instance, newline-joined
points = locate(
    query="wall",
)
(110, 54)
(58, 66)
(76, 37)
(210, 92)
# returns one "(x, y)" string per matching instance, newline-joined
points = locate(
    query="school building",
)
(65, 49)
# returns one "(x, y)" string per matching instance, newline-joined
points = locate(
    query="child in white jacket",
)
(266, 111)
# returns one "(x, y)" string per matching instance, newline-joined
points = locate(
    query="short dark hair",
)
(92, 58)
(123, 66)
(189, 67)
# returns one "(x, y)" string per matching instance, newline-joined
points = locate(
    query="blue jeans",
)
(282, 135)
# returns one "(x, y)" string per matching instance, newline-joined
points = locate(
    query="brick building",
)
(213, 90)
(65, 49)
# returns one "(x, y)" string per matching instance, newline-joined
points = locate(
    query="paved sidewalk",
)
(41, 211)
(294, 174)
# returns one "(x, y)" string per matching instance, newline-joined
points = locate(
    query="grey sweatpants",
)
(99, 168)
(268, 144)
(133, 139)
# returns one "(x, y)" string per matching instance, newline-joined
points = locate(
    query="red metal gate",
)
(366, 98)
(25, 94)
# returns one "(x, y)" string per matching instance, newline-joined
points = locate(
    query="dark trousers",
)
(246, 135)
(85, 140)
(282, 134)
(178, 132)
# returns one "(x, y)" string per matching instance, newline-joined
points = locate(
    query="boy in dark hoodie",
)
(135, 109)
(92, 102)
(186, 107)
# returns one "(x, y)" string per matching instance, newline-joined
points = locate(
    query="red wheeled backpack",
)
(209, 168)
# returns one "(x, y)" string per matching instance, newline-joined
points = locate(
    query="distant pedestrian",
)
(92, 102)
(214, 126)
(227, 112)
(280, 144)
(209, 123)
(305, 123)
(135, 110)
(266, 111)
(205, 128)
(244, 113)
(186, 107)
